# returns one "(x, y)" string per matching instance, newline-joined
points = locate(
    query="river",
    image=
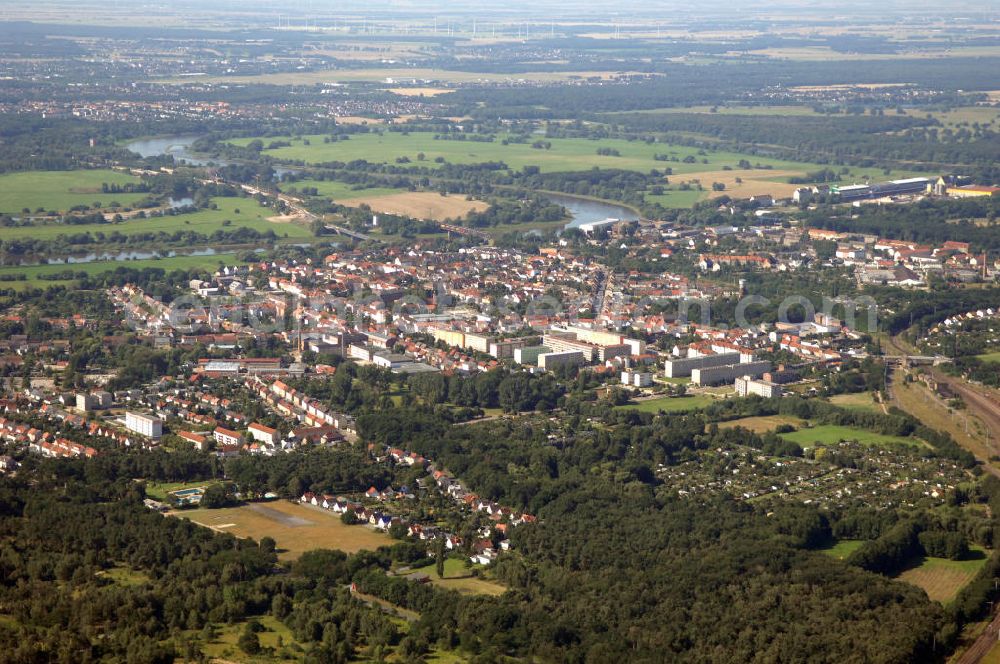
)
(582, 210)
(179, 147)
(587, 211)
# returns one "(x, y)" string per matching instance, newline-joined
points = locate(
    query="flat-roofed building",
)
(728, 373)
(549, 361)
(637, 378)
(529, 354)
(503, 349)
(746, 386)
(149, 426)
(683, 367)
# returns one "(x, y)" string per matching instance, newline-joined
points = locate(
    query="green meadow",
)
(238, 212)
(829, 434)
(33, 272)
(565, 154)
(61, 190)
(671, 404)
(339, 190)
(841, 549)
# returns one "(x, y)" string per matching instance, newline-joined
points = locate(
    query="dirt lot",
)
(754, 182)
(419, 204)
(419, 92)
(763, 423)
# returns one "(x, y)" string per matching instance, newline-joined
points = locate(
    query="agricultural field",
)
(419, 204)
(828, 434)
(942, 578)
(763, 423)
(841, 549)
(671, 404)
(860, 401)
(33, 272)
(391, 77)
(565, 154)
(61, 190)
(296, 528)
(229, 214)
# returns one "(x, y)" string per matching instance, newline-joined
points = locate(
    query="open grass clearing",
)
(336, 190)
(160, 490)
(61, 190)
(671, 404)
(763, 423)
(841, 549)
(296, 528)
(124, 576)
(829, 434)
(864, 401)
(941, 578)
(989, 357)
(420, 204)
(224, 648)
(459, 577)
(229, 214)
(676, 198)
(917, 400)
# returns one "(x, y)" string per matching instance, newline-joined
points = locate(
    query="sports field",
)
(942, 578)
(828, 434)
(230, 214)
(989, 357)
(61, 190)
(296, 528)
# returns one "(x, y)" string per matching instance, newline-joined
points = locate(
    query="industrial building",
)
(856, 192)
(149, 426)
(724, 374)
